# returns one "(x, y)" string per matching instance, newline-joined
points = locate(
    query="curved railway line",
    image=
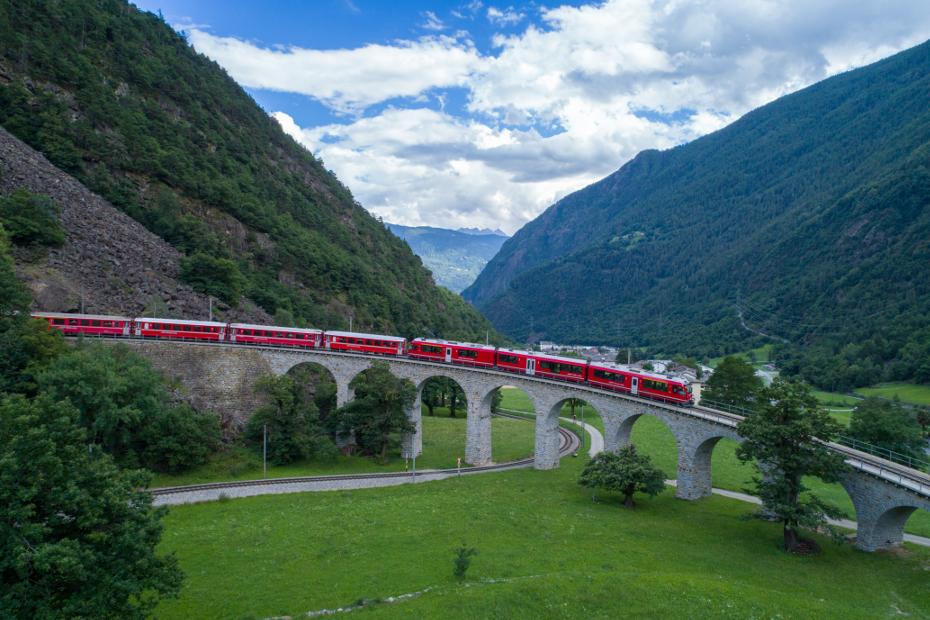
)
(899, 475)
(209, 491)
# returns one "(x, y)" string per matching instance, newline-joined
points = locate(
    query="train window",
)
(74, 322)
(508, 359)
(661, 386)
(58, 321)
(467, 353)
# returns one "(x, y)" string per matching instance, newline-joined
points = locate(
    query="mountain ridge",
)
(119, 100)
(791, 210)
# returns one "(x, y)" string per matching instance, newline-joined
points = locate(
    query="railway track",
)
(213, 490)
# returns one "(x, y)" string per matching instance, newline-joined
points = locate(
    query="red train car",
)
(465, 353)
(639, 383)
(542, 365)
(244, 333)
(364, 343)
(177, 329)
(86, 324)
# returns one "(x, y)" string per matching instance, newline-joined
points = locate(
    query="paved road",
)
(597, 445)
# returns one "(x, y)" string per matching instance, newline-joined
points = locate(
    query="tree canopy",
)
(734, 382)
(378, 413)
(77, 537)
(292, 420)
(889, 425)
(124, 405)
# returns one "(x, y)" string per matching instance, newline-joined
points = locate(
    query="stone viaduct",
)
(221, 378)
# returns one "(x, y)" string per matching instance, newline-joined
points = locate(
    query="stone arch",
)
(313, 364)
(413, 442)
(882, 511)
(591, 408)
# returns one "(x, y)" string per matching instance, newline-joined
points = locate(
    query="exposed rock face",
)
(109, 264)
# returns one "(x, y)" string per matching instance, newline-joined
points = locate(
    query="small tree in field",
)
(783, 434)
(462, 560)
(625, 472)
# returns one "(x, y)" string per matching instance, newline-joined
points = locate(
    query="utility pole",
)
(350, 322)
(210, 298)
(265, 451)
(629, 355)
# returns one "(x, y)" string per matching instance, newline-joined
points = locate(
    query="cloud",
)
(566, 100)
(346, 80)
(432, 22)
(505, 17)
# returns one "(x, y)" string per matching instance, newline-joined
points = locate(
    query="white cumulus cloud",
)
(551, 108)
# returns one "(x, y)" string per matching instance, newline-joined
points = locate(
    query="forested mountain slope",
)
(455, 257)
(810, 216)
(119, 100)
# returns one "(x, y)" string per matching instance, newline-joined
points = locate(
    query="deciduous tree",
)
(783, 434)
(626, 472)
(734, 382)
(378, 413)
(77, 537)
(888, 425)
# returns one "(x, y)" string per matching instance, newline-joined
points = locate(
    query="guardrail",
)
(885, 453)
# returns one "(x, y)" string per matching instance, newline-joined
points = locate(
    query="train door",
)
(634, 385)
(448, 355)
(126, 328)
(327, 341)
(531, 366)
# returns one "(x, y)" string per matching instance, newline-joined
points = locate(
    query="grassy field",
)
(545, 550)
(907, 392)
(443, 442)
(759, 356)
(652, 437)
(835, 399)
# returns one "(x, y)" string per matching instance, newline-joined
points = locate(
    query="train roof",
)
(370, 336)
(303, 330)
(539, 354)
(473, 345)
(70, 315)
(179, 321)
(638, 371)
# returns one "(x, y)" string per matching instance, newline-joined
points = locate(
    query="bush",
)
(31, 219)
(462, 560)
(219, 277)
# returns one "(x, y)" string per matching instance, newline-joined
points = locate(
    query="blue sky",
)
(476, 113)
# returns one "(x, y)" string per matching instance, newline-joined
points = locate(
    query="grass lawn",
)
(652, 437)
(907, 392)
(443, 442)
(546, 550)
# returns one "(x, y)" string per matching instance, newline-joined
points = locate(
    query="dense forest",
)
(117, 98)
(807, 221)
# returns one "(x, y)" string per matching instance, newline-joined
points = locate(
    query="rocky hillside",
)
(455, 257)
(807, 220)
(109, 262)
(117, 99)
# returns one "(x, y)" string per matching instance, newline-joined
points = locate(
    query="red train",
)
(597, 374)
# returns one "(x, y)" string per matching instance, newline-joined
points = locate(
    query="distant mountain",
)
(117, 99)
(482, 231)
(807, 219)
(455, 257)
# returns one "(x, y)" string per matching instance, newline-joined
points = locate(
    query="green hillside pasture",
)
(545, 550)
(652, 437)
(758, 356)
(907, 392)
(443, 442)
(835, 399)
